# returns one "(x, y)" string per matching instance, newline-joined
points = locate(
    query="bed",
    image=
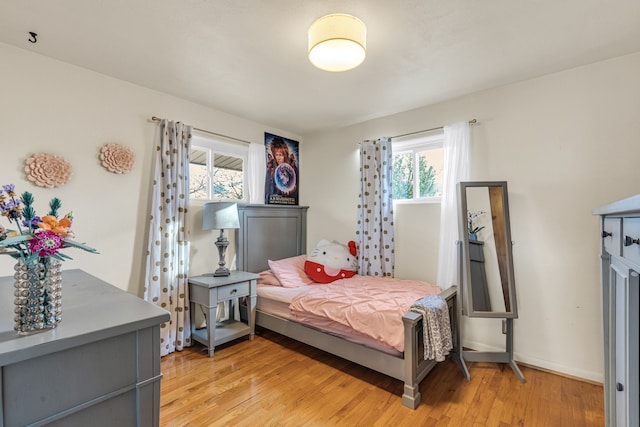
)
(279, 232)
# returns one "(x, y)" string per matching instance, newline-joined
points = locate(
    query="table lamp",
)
(220, 216)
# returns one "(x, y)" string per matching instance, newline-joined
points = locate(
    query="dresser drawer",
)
(52, 384)
(631, 239)
(611, 235)
(233, 291)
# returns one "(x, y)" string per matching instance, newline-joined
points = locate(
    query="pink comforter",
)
(371, 306)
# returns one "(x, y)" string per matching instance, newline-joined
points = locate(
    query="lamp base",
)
(221, 272)
(222, 244)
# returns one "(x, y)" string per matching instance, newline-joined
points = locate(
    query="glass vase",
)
(38, 295)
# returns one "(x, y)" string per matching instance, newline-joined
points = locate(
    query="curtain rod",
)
(157, 119)
(471, 122)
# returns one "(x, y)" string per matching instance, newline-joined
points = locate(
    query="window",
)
(417, 169)
(217, 170)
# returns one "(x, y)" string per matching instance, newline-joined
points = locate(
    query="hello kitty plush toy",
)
(331, 261)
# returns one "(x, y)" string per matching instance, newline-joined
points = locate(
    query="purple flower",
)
(45, 243)
(10, 206)
(33, 223)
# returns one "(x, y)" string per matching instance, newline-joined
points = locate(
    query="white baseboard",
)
(545, 365)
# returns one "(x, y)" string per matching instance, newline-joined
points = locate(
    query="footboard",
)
(415, 366)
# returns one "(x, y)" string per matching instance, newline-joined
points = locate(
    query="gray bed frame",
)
(276, 232)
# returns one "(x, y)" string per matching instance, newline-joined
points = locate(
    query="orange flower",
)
(52, 223)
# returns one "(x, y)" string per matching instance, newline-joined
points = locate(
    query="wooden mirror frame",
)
(499, 206)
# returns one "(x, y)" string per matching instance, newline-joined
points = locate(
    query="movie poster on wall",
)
(283, 180)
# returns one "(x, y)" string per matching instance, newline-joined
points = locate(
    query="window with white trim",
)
(418, 169)
(217, 170)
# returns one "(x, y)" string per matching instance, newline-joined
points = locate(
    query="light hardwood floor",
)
(275, 381)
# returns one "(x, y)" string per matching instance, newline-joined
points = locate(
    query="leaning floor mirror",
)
(486, 262)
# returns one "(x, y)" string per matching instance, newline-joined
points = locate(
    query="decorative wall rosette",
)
(117, 158)
(48, 170)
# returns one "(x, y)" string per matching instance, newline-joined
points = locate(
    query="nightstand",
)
(208, 291)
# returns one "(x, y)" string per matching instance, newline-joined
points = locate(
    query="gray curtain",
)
(167, 270)
(374, 234)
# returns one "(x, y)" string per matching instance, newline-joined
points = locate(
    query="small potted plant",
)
(474, 230)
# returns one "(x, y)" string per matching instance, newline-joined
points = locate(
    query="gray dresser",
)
(99, 367)
(620, 233)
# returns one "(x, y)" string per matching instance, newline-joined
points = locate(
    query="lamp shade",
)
(337, 42)
(220, 216)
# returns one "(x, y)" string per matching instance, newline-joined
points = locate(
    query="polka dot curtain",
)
(167, 271)
(374, 233)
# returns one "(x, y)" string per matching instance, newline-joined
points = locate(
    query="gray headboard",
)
(269, 232)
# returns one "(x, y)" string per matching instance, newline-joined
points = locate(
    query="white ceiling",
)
(248, 57)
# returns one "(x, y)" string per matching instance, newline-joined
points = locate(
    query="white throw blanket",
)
(436, 326)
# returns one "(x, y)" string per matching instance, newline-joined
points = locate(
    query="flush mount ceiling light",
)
(337, 42)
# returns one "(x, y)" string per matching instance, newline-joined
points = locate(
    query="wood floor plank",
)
(275, 381)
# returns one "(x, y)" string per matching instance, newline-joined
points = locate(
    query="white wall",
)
(566, 143)
(50, 106)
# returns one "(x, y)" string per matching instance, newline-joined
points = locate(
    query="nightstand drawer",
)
(233, 291)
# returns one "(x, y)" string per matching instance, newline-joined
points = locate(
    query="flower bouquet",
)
(35, 237)
(36, 244)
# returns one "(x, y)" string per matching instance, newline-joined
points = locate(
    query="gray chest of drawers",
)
(620, 268)
(99, 367)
